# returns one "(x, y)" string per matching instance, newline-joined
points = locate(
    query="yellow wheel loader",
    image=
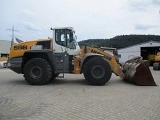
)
(156, 65)
(43, 60)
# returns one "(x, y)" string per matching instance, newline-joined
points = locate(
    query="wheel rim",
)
(97, 71)
(35, 72)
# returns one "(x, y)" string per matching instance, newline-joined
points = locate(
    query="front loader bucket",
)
(137, 71)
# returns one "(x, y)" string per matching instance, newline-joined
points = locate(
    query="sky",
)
(91, 19)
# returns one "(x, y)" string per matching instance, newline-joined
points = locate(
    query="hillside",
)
(120, 41)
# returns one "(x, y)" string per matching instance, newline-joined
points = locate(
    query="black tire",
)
(156, 66)
(37, 71)
(97, 71)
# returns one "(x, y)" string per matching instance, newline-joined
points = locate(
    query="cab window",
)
(60, 37)
(65, 37)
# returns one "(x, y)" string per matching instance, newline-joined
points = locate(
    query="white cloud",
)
(143, 5)
(90, 18)
(31, 26)
(144, 27)
(157, 2)
(28, 12)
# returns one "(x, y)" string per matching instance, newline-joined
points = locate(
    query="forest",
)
(120, 41)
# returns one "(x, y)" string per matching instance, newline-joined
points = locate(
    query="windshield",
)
(71, 39)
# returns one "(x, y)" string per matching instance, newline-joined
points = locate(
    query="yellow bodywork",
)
(17, 50)
(151, 57)
(110, 59)
(157, 57)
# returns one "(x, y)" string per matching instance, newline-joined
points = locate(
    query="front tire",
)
(37, 71)
(97, 71)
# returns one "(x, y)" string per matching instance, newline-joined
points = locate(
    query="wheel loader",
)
(45, 59)
(156, 65)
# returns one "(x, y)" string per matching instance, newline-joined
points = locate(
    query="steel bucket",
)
(137, 71)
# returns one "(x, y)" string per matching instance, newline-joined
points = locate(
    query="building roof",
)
(140, 44)
(5, 40)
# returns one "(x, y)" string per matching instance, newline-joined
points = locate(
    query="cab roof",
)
(70, 28)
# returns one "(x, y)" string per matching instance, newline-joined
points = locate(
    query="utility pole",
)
(12, 30)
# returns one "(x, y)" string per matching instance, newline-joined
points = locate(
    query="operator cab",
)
(64, 39)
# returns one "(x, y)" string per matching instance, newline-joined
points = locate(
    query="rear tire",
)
(37, 71)
(97, 71)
